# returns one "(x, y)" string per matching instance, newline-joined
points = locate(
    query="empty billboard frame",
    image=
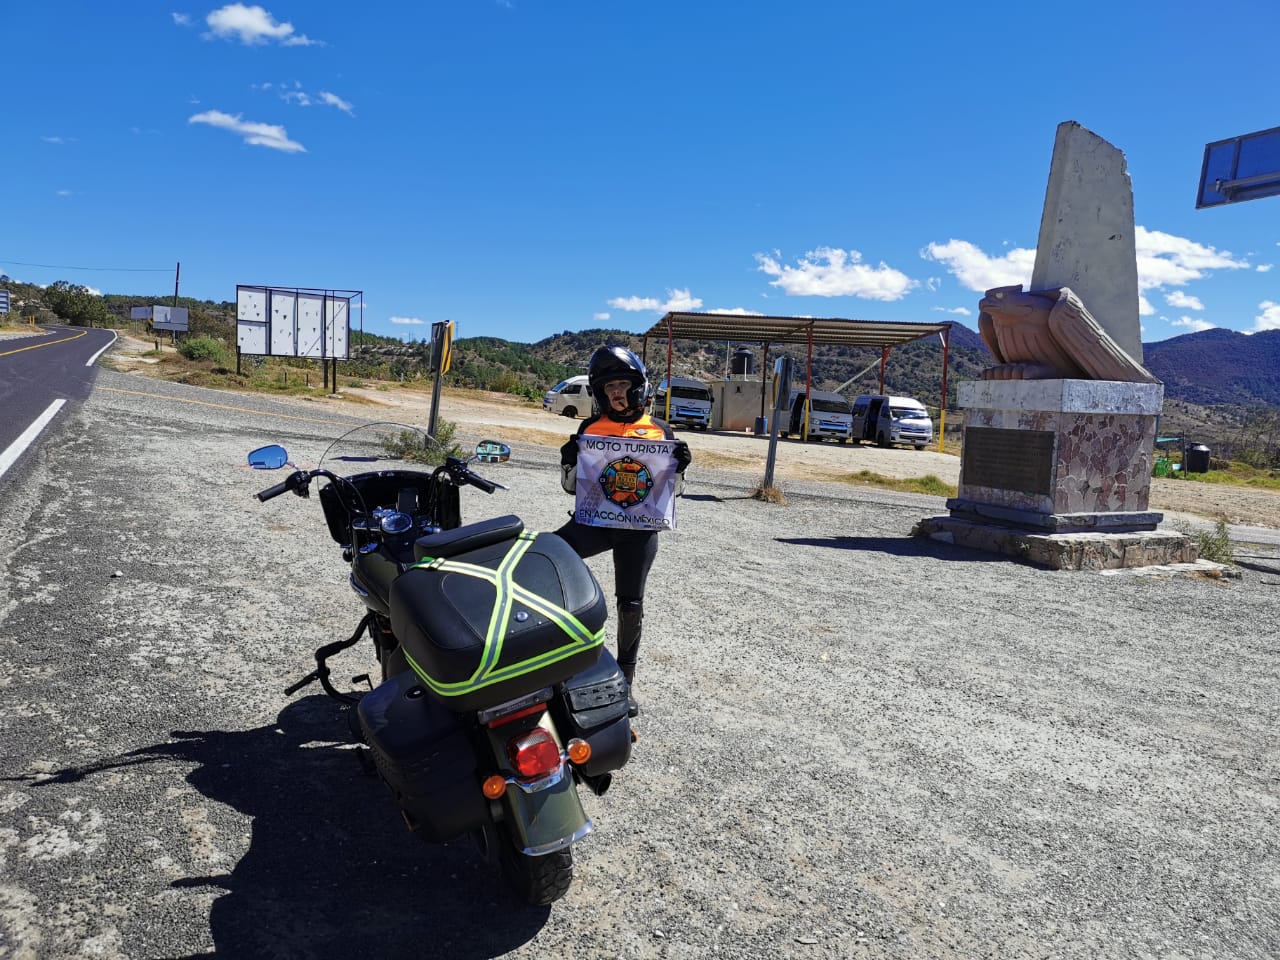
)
(295, 321)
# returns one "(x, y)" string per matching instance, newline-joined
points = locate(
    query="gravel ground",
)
(854, 744)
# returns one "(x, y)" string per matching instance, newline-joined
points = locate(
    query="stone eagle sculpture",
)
(1049, 335)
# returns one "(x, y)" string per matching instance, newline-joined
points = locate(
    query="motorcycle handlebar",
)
(462, 474)
(292, 482)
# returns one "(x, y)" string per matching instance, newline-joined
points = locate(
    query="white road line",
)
(11, 455)
(114, 335)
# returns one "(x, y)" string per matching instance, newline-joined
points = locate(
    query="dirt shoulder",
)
(521, 421)
(744, 453)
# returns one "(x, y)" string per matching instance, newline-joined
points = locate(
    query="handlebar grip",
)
(279, 488)
(295, 481)
(485, 485)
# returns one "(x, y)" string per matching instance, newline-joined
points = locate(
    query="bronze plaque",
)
(1019, 460)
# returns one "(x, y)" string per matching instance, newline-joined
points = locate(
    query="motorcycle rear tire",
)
(538, 880)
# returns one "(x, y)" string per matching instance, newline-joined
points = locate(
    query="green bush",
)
(418, 447)
(1215, 545)
(205, 348)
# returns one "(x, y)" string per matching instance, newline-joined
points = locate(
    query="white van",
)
(569, 398)
(889, 420)
(690, 402)
(829, 417)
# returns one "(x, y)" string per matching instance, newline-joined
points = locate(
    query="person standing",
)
(619, 384)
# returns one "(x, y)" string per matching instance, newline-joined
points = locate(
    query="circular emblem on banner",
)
(626, 482)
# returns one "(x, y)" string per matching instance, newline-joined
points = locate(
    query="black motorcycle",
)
(496, 695)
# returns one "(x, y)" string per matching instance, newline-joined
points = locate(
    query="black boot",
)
(630, 624)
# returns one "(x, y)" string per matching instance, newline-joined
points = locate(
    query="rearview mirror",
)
(491, 451)
(269, 458)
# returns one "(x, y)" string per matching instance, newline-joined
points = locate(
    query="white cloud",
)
(253, 25)
(256, 134)
(677, 300)
(1269, 318)
(1264, 267)
(738, 312)
(1166, 260)
(59, 140)
(333, 100)
(832, 272)
(961, 311)
(1194, 324)
(1183, 301)
(635, 304)
(600, 316)
(933, 284)
(407, 321)
(63, 193)
(1145, 309)
(979, 271)
(296, 96)
(181, 19)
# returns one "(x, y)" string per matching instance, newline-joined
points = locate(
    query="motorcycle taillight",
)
(534, 754)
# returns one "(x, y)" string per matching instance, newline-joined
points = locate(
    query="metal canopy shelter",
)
(811, 331)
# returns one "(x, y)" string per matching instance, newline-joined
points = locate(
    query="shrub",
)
(205, 349)
(419, 447)
(1215, 545)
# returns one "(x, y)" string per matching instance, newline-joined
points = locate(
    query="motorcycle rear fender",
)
(541, 820)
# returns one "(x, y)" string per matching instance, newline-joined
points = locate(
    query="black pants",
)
(633, 553)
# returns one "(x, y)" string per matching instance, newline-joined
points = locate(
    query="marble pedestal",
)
(1059, 472)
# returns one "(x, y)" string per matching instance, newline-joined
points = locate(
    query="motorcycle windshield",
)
(385, 445)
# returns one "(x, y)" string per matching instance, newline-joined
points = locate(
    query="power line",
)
(58, 266)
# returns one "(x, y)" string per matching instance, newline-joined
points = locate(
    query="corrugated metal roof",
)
(761, 329)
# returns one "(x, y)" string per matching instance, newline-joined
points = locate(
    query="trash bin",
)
(762, 426)
(1195, 458)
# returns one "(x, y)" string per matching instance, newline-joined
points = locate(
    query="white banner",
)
(626, 482)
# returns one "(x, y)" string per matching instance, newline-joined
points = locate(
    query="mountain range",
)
(1216, 380)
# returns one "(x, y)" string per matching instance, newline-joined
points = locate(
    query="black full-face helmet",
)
(618, 363)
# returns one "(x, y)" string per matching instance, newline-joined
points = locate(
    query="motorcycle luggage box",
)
(474, 645)
(424, 754)
(593, 705)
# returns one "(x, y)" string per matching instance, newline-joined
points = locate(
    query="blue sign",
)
(4, 301)
(1246, 167)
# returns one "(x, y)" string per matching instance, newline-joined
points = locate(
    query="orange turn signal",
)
(579, 751)
(494, 786)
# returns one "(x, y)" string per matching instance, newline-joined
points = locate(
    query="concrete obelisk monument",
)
(1059, 434)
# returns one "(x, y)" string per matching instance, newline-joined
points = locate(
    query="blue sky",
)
(524, 167)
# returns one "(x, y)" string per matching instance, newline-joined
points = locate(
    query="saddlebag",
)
(494, 622)
(593, 705)
(424, 755)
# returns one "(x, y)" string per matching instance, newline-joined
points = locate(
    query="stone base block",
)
(1066, 551)
(1126, 521)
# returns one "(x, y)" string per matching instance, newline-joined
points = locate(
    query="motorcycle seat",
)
(473, 536)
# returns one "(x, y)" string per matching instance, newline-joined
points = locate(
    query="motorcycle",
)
(496, 697)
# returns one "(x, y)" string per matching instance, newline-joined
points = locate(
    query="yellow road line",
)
(220, 406)
(49, 344)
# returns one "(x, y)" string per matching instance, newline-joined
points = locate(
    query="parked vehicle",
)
(829, 416)
(889, 420)
(496, 696)
(569, 398)
(689, 402)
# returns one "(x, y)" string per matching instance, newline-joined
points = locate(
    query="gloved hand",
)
(682, 454)
(569, 453)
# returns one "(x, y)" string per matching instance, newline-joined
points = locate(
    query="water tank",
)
(1195, 458)
(743, 362)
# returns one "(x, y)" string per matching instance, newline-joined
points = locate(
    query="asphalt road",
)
(855, 743)
(39, 375)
